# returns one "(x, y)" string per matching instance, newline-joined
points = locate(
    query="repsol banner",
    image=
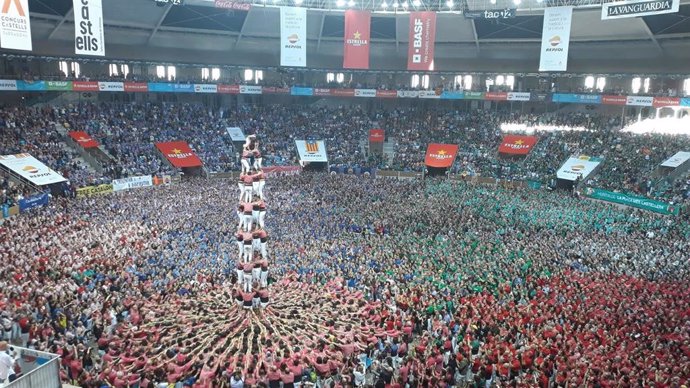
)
(90, 191)
(88, 28)
(636, 8)
(632, 201)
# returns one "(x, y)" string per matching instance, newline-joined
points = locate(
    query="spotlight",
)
(396, 5)
(416, 3)
(340, 3)
(384, 4)
(449, 4)
(404, 4)
(517, 2)
(351, 3)
(299, 2)
(493, 1)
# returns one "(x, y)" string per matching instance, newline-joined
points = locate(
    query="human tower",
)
(252, 264)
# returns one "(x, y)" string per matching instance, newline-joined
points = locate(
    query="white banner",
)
(635, 8)
(250, 89)
(677, 159)
(205, 88)
(577, 167)
(132, 182)
(639, 101)
(111, 86)
(88, 27)
(518, 96)
(8, 84)
(293, 36)
(555, 39)
(236, 133)
(311, 150)
(408, 93)
(365, 92)
(15, 26)
(31, 168)
(428, 94)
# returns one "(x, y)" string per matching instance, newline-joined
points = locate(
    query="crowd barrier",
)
(39, 369)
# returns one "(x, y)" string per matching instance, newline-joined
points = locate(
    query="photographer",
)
(6, 364)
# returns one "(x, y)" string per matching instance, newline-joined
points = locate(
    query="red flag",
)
(179, 154)
(83, 139)
(440, 155)
(357, 37)
(420, 52)
(376, 135)
(517, 145)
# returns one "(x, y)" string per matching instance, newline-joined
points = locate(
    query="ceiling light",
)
(404, 4)
(384, 5)
(298, 2)
(396, 5)
(449, 4)
(351, 3)
(340, 3)
(416, 3)
(517, 2)
(493, 1)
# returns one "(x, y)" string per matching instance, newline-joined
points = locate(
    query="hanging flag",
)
(293, 36)
(15, 29)
(555, 39)
(420, 52)
(88, 27)
(357, 35)
(440, 155)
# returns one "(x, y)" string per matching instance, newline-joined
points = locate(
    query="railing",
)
(39, 370)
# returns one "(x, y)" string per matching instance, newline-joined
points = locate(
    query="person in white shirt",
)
(6, 363)
(236, 381)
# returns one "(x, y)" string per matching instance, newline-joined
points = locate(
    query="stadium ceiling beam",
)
(651, 35)
(61, 22)
(158, 25)
(323, 20)
(239, 36)
(475, 35)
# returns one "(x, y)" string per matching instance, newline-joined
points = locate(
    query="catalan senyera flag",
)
(440, 155)
(83, 139)
(357, 39)
(517, 144)
(179, 154)
(312, 146)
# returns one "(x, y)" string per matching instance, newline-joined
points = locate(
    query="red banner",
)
(83, 139)
(179, 154)
(274, 90)
(229, 89)
(284, 170)
(440, 155)
(665, 101)
(136, 87)
(517, 144)
(343, 92)
(420, 52)
(85, 86)
(496, 96)
(386, 93)
(357, 38)
(614, 100)
(377, 135)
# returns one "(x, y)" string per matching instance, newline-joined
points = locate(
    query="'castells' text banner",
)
(517, 144)
(293, 36)
(555, 39)
(31, 169)
(635, 8)
(83, 139)
(88, 28)
(179, 154)
(440, 155)
(632, 201)
(420, 52)
(357, 36)
(311, 150)
(15, 29)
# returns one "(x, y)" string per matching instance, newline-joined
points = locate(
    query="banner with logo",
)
(31, 169)
(677, 159)
(136, 87)
(90, 191)
(496, 96)
(639, 101)
(250, 89)
(302, 91)
(31, 86)
(33, 201)
(179, 154)
(236, 134)
(132, 182)
(614, 100)
(632, 201)
(233, 5)
(229, 89)
(85, 86)
(474, 95)
(574, 167)
(422, 37)
(636, 8)
(356, 41)
(377, 135)
(665, 101)
(311, 150)
(205, 88)
(577, 98)
(293, 36)
(555, 39)
(381, 93)
(281, 170)
(407, 93)
(83, 139)
(15, 28)
(440, 155)
(519, 96)
(62, 86)
(517, 144)
(365, 92)
(111, 86)
(88, 27)
(451, 95)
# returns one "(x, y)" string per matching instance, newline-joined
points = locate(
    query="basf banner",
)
(179, 154)
(311, 150)
(420, 52)
(635, 8)
(293, 36)
(31, 169)
(15, 29)
(356, 40)
(440, 155)
(236, 133)
(88, 28)
(555, 39)
(517, 144)
(676, 160)
(581, 166)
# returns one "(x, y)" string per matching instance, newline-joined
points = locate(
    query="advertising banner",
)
(182, 88)
(540, 97)
(496, 96)
(236, 134)
(577, 98)
(250, 89)
(33, 201)
(518, 96)
(85, 86)
(281, 170)
(493, 14)
(632, 201)
(111, 86)
(322, 92)
(356, 40)
(136, 87)
(665, 101)
(132, 182)
(83, 139)
(62, 86)
(205, 88)
(450, 95)
(517, 144)
(636, 8)
(160, 87)
(639, 101)
(555, 39)
(88, 28)
(407, 93)
(474, 95)
(311, 150)
(614, 100)
(429, 94)
(676, 160)
(229, 89)
(343, 92)
(31, 169)
(293, 36)
(233, 5)
(8, 84)
(34, 86)
(365, 92)
(683, 101)
(377, 135)
(574, 167)
(90, 191)
(440, 155)
(422, 37)
(301, 91)
(179, 154)
(15, 29)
